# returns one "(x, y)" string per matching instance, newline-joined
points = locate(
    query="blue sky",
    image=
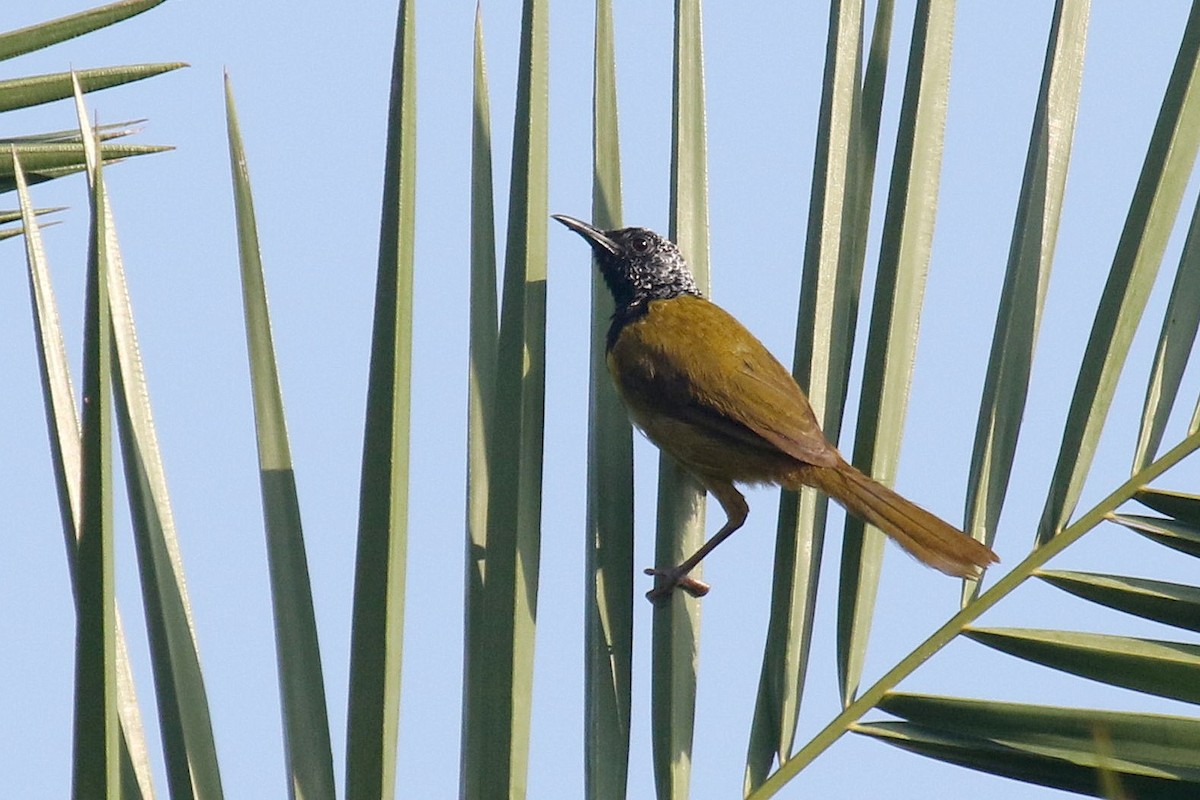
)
(311, 87)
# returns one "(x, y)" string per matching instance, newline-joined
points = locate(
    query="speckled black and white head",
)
(637, 264)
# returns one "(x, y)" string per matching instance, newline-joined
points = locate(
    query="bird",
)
(707, 392)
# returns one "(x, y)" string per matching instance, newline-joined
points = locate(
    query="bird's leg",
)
(736, 509)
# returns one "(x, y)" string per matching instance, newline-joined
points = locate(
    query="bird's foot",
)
(666, 580)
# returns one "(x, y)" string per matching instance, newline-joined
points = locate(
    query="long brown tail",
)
(925, 536)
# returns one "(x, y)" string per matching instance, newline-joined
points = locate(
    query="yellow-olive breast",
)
(704, 389)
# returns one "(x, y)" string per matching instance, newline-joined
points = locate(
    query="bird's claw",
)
(666, 580)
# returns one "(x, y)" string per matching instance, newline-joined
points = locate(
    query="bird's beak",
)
(597, 238)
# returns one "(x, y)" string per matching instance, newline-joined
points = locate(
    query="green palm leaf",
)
(33, 90)
(1180, 323)
(62, 420)
(1169, 603)
(608, 670)
(835, 251)
(895, 318)
(377, 631)
(1181, 536)
(1168, 669)
(189, 748)
(498, 709)
(1093, 752)
(1031, 254)
(51, 155)
(1101, 753)
(43, 162)
(96, 765)
(481, 393)
(114, 130)
(35, 37)
(301, 679)
(680, 525)
(1184, 507)
(1151, 218)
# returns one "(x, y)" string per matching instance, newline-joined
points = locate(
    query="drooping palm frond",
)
(1101, 753)
(1083, 750)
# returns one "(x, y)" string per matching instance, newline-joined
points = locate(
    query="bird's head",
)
(637, 264)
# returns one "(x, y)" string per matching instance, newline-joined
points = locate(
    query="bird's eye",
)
(641, 244)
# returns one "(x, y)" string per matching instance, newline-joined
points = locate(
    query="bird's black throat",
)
(621, 317)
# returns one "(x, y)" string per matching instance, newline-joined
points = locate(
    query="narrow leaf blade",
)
(301, 681)
(1086, 765)
(680, 524)
(1151, 217)
(96, 762)
(515, 463)
(1177, 535)
(43, 162)
(608, 641)
(1175, 343)
(188, 745)
(895, 318)
(377, 630)
(1184, 507)
(1167, 669)
(830, 284)
(63, 423)
(481, 388)
(1031, 254)
(1169, 603)
(44, 34)
(1100, 749)
(958, 623)
(37, 89)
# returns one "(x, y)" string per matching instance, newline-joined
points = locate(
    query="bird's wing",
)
(702, 366)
